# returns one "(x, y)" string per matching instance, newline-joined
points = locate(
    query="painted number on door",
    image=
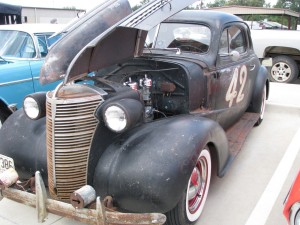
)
(235, 92)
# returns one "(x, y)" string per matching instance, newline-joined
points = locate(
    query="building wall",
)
(48, 15)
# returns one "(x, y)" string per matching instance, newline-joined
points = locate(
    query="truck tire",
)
(284, 69)
(191, 204)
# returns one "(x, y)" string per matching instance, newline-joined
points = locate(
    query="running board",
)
(237, 134)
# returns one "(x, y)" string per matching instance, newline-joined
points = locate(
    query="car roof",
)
(203, 16)
(33, 28)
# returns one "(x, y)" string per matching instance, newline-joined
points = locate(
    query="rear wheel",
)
(191, 204)
(284, 69)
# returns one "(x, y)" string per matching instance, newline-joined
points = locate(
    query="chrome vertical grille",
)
(70, 127)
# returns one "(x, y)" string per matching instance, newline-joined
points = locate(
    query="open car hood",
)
(105, 36)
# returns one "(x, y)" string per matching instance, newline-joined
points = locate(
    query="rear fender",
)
(148, 168)
(260, 82)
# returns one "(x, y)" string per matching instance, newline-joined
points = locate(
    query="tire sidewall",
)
(194, 217)
(179, 215)
(262, 107)
(288, 61)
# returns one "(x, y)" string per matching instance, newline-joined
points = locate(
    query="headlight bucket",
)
(122, 114)
(34, 105)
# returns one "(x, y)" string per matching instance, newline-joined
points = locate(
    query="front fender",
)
(148, 168)
(24, 140)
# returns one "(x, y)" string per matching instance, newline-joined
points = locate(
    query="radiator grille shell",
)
(70, 128)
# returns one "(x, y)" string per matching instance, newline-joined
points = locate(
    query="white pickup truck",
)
(279, 50)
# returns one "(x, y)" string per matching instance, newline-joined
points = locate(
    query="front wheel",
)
(284, 69)
(191, 204)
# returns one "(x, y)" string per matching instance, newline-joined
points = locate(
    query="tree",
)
(216, 3)
(290, 4)
(255, 3)
(142, 2)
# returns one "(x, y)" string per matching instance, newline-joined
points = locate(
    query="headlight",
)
(115, 118)
(123, 114)
(34, 105)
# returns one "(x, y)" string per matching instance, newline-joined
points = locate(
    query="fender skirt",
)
(24, 140)
(147, 169)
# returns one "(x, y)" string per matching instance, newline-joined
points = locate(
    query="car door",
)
(235, 73)
(16, 74)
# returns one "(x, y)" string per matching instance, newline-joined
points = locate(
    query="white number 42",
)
(239, 76)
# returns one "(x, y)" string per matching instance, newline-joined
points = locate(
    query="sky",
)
(79, 4)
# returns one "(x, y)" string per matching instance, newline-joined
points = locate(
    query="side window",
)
(233, 38)
(224, 44)
(238, 42)
(42, 45)
(27, 48)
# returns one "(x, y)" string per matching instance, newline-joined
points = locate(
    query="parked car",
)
(291, 209)
(23, 48)
(280, 54)
(172, 97)
(254, 25)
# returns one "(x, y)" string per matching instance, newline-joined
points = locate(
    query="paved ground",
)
(253, 190)
(242, 196)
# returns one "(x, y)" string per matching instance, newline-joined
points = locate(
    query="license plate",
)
(6, 163)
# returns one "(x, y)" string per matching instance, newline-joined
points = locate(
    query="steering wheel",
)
(190, 48)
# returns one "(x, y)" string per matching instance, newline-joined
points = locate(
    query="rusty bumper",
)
(98, 216)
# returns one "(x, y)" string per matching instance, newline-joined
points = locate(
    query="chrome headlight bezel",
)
(34, 105)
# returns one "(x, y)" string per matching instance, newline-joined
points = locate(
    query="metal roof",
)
(10, 9)
(247, 10)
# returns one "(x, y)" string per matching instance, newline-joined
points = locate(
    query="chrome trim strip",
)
(15, 82)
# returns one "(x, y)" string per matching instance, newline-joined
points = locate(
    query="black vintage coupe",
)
(148, 105)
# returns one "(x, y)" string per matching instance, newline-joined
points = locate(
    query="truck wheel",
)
(284, 69)
(262, 107)
(191, 204)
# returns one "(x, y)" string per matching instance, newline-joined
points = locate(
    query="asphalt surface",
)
(246, 195)
(254, 188)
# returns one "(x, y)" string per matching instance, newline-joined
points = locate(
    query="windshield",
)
(186, 37)
(16, 44)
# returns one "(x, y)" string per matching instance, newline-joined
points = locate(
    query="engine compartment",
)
(162, 85)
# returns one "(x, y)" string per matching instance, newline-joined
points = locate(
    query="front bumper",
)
(98, 216)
